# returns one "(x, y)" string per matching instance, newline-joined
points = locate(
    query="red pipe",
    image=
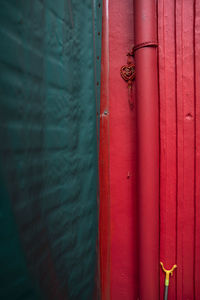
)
(148, 147)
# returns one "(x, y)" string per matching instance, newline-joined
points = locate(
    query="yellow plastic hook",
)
(167, 273)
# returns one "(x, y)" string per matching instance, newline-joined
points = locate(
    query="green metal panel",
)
(49, 100)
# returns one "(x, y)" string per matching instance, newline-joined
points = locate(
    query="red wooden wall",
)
(179, 77)
(179, 98)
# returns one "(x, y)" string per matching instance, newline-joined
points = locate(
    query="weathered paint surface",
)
(118, 158)
(179, 70)
(179, 96)
(124, 273)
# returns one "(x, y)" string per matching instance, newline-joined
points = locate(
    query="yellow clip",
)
(168, 272)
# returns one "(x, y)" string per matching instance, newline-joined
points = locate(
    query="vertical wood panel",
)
(124, 269)
(197, 144)
(180, 145)
(167, 80)
(179, 81)
(185, 144)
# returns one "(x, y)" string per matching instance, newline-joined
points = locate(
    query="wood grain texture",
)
(179, 68)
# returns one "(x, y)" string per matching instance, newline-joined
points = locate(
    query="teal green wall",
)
(49, 107)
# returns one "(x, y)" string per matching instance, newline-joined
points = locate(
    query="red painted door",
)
(179, 126)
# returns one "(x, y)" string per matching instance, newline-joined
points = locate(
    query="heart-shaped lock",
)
(128, 72)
